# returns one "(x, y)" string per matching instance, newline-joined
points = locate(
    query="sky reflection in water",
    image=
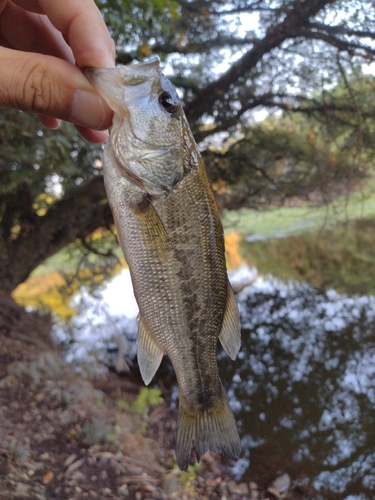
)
(302, 387)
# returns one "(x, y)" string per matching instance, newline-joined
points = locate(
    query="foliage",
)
(301, 217)
(95, 432)
(228, 60)
(36, 155)
(48, 182)
(313, 158)
(189, 476)
(147, 397)
(47, 293)
(86, 263)
(133, 24)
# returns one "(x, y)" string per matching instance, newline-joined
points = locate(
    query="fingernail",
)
(49, 122)
(112, 58)
(88, 110)
(102, 135)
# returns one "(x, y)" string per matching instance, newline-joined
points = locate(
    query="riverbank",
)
(66, 437)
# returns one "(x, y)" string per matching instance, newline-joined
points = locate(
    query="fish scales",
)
(172, 239)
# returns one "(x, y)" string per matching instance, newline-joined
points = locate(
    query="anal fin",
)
(230, 335)
(149, 353)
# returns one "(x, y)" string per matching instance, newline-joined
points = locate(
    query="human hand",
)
(44, 45)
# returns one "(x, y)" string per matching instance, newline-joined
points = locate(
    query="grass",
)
(69, 257)
(287, 221)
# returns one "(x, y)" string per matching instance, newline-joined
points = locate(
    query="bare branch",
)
(342, 45)
(341, 30)
(219, 41)
(289, 28)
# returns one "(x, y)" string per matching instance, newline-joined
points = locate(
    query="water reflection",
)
(339, 257)
(303, 388)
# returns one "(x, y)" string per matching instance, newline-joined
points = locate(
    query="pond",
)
(303, 388)
(303, 385)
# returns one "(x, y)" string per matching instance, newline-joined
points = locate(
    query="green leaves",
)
(147, 397)
(134, 23)
(228, 60)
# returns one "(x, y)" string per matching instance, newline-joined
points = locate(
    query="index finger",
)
(84, 29)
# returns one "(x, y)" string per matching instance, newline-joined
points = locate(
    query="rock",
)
(69, 460)
(77, 477)
(74, 466)
(171, 483)
(254, 490)
(282, 483)
(274, 491)
(124, 490)
(22, 489)
(238, 489)
(47, 478)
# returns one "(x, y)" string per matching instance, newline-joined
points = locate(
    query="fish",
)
(171, 235)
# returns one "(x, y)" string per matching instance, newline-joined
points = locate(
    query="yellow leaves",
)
(311, 135)
(42, 202)
(53, 291)
(145, 50)
(45, 292)
(15, 231)
(181, 39)
(234, 259)
(219, 186)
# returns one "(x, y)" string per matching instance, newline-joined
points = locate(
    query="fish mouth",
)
(131, 143)
(129, 75)
(112, 82)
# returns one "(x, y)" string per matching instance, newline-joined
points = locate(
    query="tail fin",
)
(214, 429)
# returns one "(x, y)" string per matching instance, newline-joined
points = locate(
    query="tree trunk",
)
(76, 215)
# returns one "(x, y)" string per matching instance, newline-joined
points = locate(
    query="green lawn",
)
(286, 221)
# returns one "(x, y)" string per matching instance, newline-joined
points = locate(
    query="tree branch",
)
(289, 28)
(342, 45)
(341, 30)
(76, 215)
(219, 41)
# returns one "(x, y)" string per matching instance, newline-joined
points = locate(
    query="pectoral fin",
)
(155, 237)
(230, 335)
(149, 353)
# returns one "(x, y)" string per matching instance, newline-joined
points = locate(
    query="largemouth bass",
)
(171, 235)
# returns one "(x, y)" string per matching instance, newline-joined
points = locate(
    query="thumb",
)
(52, 87)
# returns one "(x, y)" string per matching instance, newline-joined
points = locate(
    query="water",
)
(302, 387)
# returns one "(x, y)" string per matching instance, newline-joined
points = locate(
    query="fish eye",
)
(168, 103)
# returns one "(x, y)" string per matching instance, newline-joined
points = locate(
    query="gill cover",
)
(148, 135)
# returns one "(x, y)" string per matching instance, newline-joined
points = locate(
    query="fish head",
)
(150, 136)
